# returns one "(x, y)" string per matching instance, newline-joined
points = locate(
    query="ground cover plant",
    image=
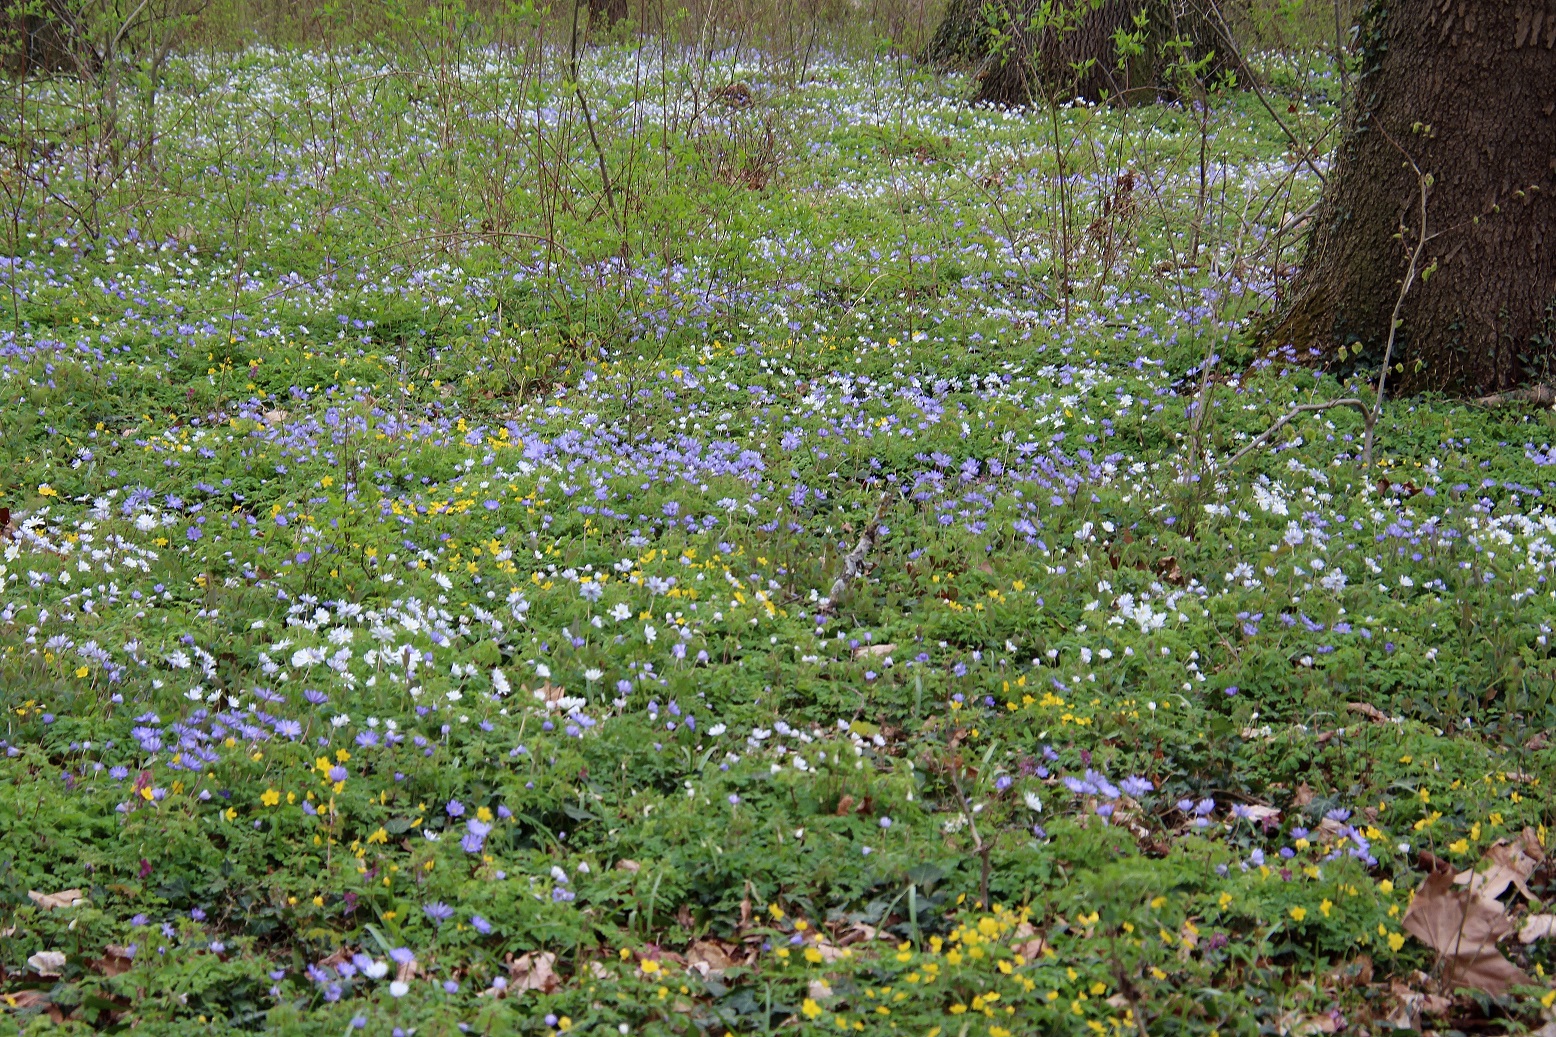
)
(541, 538)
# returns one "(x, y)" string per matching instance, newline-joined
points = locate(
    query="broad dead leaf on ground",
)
(25, 999)
(1463, 928)
(115, 961)
(51, 901)
(711, 957)
(1410, 1005)
(48, 964)
(533, 971)
(1537, 927)
(1505, 863)
(1298, 1024)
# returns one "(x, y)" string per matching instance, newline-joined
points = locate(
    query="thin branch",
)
(1539, 395)
(599, 152)
(1292, 415)
(854, 561)
(1423, 182)
(1304, 150)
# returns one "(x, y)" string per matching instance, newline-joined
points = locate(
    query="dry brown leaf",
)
(1506, 864)
(1463, 929)
(25, 999)
(549, 693)
(857, 933)
(1302, 797)
(1537, 927)
(47, 964)
(1260, 814)
(710, 957)
(1329, 830)
(339, 955)
(50, 901)
(116, 961)
(1413, 1004)
(1369, 711)
(819, 989)
(533, 971)
(276, 416)
(828, 951)
(1530, 839)
(874, 651)
(1295, 1024)
(1027, 942)
(627, 864)
(845, 805)
(1188, 936)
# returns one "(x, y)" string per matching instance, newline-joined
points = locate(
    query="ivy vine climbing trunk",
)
(1458, 96)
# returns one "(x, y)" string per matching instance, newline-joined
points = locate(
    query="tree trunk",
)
(606, 12)
(1028, 50)
(31, 40)
(1465, 89)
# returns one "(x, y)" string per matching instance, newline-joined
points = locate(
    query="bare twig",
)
(1539, 395)
(854, 561)
(583, 103)
(1423, 183)
(1302, 408)
(1305, 151)
(981, 848)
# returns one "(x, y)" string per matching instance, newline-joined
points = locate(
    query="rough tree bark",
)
(1466, 90)
(1017, 64)
(606, 12)
(31, 41)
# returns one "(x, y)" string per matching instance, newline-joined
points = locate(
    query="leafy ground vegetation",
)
(716, 548)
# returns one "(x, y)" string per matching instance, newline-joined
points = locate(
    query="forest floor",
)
(781, 585)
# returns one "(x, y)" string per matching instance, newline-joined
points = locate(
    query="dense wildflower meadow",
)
(799, 580)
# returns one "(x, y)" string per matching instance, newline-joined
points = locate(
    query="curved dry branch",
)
(1290, 416)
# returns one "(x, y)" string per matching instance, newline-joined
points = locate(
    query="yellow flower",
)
(1462, 846)
(810, 1008)
(45, 490)
(1298, 913)
(82, 671)
(1396, 941)
(958, 1009)
(1325, 907)
(270, 797)
(812, 955)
